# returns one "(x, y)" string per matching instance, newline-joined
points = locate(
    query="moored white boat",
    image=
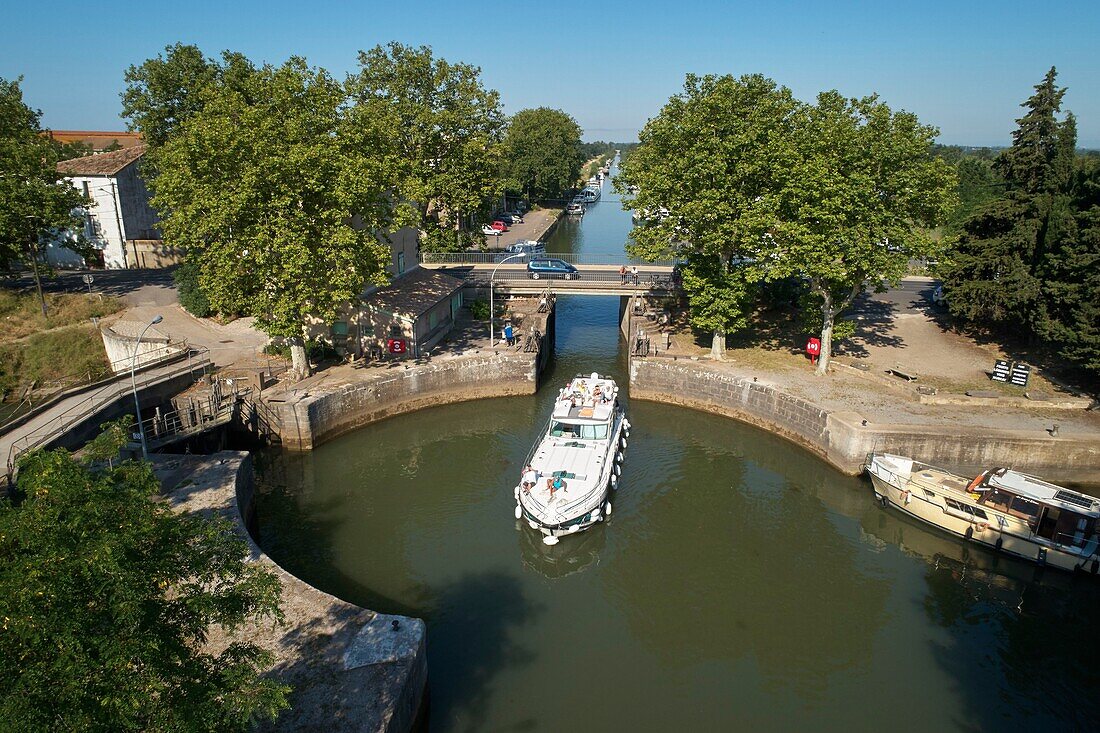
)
(1009, 511)
(566, 483)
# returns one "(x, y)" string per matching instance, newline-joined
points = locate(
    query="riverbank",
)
(844, 437)
(349, 668)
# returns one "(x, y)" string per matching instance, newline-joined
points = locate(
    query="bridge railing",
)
(649, 280)
(491, 258)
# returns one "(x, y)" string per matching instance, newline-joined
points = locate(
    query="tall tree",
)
(267, 189)
(106, 600)
(863, 193)
(712, 168)
(998, 274)
(447, 130)
(544, 153)
(35, 202)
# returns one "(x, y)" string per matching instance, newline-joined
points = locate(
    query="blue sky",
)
(962, 66)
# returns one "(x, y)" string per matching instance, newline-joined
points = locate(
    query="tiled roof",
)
(98, 139)
(101, 164)
(415, 293)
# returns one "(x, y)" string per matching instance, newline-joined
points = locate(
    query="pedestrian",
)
(509, 335)
(622, 274)
(634, 273)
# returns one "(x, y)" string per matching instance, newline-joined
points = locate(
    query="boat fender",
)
(614, 482)
(884, 500)
(618, 470)
(619, 457)
(626, 432)
(1000, 541)
(519, 512)
(607, 509)
(534, 525)
(596, 514)
(622, 442)
(515, 494)
(550, 540)
(970, 532)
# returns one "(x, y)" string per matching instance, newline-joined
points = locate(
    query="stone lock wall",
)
(312, 417)
(843, 440)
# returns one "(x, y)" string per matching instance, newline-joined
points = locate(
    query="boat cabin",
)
(1053, 513)
(584, 408)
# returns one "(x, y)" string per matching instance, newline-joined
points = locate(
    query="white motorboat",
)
(571, 471)
(575, 209)
(1009, 511)
(590, 194)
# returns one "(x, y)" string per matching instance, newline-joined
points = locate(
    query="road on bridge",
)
(593, 279)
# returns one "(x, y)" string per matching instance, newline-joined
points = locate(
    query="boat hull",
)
(979, 533)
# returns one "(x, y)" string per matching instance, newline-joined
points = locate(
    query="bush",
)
(479, 309)
(192, 297)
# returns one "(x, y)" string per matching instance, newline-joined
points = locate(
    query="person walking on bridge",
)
(622, 274)
(634, 274)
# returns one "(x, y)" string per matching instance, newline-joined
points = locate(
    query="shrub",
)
(479, 309)
(191, 295)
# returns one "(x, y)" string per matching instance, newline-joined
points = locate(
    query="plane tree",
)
(711, 169)
(859, 202)
(267, 186)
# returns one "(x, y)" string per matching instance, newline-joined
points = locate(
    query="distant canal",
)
(741, 584)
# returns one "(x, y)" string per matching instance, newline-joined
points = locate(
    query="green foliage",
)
(72, 355)
(35, 201)
(106, 600)
(544, 153)
(810, 306)
(1026, 262)
(836, 193)
(273, 192)
(479, 309)
(191, 295)
(720, 298)
(443, 131)
(68, 151)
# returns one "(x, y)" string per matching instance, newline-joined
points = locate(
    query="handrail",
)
(81, 410)
(91, 379)
(492, 258)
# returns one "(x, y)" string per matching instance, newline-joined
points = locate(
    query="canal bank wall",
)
(308, 417)
(844, 438)
(350, 669)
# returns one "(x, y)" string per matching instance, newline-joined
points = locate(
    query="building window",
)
(400, 263)
(456, 304)
(433, 320)
(340, 328)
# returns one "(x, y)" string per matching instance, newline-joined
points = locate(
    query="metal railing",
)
(72, 383)
(150, 375)
(660, 281)
(492, 258)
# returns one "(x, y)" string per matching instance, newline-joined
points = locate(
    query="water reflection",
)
(581, 552)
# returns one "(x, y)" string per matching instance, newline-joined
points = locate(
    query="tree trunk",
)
(718, 345)
(299, 362)
(827, 314)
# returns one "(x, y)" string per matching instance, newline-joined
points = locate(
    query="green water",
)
(740, 584)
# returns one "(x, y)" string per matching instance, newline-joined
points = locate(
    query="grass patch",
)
(53, 359)
(21, 314)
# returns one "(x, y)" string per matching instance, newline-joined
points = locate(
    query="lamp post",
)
(133, 384)
(492, 334)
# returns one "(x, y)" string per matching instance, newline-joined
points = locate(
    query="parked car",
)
(488, 229)
(527, 246)
(549, 267)
(517, 218)
(499, 226)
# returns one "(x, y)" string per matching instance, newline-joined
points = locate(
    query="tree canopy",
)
(1026, 261)
(106, 600)
(35, 201)
(544, 153)
(269, 188)
(447, 130)
(737, 175)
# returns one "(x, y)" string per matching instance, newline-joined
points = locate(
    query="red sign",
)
(813, 348)
(395, 346)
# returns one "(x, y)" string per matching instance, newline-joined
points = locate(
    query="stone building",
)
(120, 215)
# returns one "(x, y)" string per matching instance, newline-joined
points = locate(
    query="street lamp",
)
(133, 383)
(492, 335)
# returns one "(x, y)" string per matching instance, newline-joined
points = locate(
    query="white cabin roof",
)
(1035, 488)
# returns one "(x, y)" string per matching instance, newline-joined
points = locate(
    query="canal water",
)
(740, 584)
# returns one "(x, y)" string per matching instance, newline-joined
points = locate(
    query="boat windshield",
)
(596, 431)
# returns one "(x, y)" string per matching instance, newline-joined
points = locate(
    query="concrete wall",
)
(120, 346)
(139, 220)
(841, 438)
(311, 418)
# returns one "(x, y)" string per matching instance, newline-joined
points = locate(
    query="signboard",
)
(1020, 374)
(1001, 370)
(88, 279)
(396, 346)
(813, 348)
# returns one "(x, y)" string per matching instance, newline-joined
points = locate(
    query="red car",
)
(499, 226)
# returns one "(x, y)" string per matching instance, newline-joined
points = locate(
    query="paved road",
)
(148, 285)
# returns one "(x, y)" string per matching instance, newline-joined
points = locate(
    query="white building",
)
(120, 214)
